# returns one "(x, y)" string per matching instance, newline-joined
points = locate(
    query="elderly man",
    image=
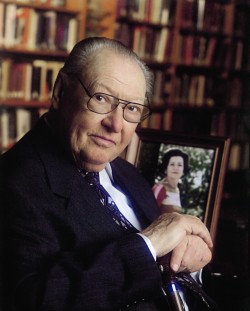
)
(69, 242)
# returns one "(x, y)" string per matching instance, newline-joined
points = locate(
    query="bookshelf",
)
(35, 38)
(199, 52)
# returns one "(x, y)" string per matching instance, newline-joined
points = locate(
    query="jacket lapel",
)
(67, 182)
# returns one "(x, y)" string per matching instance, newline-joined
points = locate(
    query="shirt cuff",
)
(197, 276)
(149, 244)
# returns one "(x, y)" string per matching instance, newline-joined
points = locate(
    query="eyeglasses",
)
(103, 103)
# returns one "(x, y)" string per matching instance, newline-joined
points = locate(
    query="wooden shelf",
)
(44, 7)
(17, 103)
(38, 53)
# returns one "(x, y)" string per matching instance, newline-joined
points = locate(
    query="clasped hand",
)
(185, 236)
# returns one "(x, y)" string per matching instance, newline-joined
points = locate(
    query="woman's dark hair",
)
(174, 153)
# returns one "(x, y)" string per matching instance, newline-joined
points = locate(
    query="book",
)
(189, 14)
(49, 28)
(136, 39)
(184, 88)
(23, 122)
(245, 156)
(10, 25)
(210, 51)
(167, 119)
(142, 44)
(165, 12)
(234, 157)
(149, 43)
(235, 92)
(141, 13)
(200, 13)
(2, 19)
(161, 45)
(200, 90)
(123, 33)
(21, 28)
(121, 8)
(158, 86)
(193, 85)
(32, 29)
(4, 128)
(72, 34)
(155, 12)
(40, 67)
(227, 22)
(155, 120)
(28, 81)
(187, 49)
(4, 77)
(239, 48)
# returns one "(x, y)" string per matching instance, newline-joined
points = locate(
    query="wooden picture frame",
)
(208, 158)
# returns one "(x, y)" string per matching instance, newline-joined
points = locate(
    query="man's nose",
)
(114, 120)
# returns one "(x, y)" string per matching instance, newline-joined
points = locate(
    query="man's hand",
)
(172, 231)
(190, 255)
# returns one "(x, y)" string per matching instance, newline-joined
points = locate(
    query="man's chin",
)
(94, 164)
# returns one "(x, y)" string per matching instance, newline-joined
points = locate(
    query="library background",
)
(199, 51)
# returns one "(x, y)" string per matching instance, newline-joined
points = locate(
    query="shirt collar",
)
(106, 173)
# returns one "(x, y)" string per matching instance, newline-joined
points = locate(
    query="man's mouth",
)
(103, 141)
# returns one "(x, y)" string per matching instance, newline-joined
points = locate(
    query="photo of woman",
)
(173, 167)
(186, 173)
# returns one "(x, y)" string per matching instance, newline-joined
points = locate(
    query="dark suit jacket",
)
(61, 250)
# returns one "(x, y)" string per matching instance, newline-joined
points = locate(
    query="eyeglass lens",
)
(104, 103)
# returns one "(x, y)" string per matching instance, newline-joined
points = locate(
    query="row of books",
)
(204, 15)
(159, 120)
(239, 157)
(54, 3)
(14, 123)
(156, 45)
(222, 124)
(179, 120)
(27, 80)
(212, 51)
(149, 11)
(230, 124)
(29, 28)
(153, 45)
(196, 90)
(241, 20)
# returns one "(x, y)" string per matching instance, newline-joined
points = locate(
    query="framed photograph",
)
(186, 172)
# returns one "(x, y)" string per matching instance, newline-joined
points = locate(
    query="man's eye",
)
(99, 97)
(134, 108)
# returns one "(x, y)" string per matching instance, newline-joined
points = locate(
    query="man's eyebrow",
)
(101, 85)
(111, 92)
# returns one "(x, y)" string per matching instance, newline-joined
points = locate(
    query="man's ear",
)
(57, 91)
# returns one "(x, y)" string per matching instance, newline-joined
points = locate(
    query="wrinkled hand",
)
(171, 231)
(190, 255)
